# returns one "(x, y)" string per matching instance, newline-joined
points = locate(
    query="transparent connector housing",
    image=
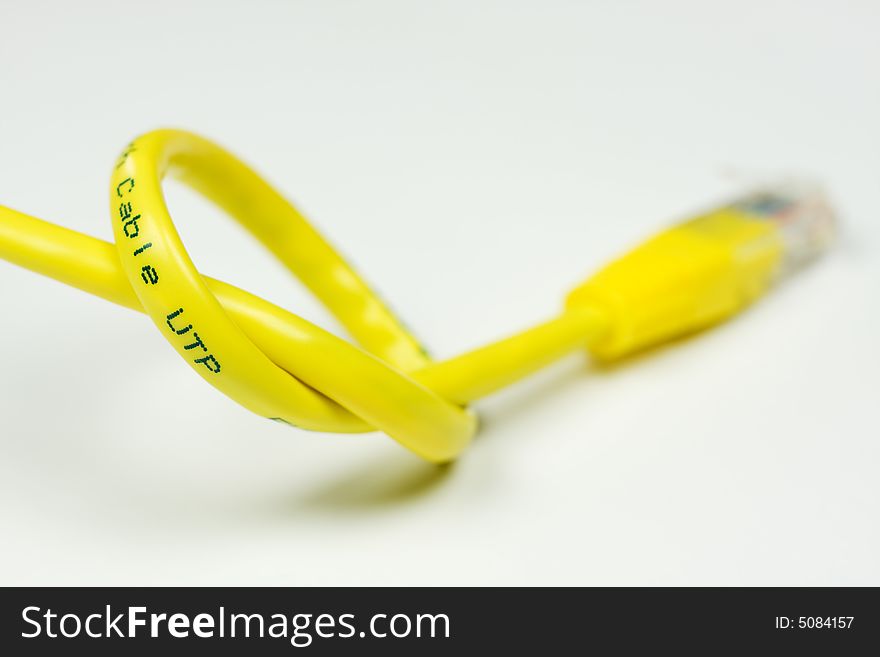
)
(803, 215)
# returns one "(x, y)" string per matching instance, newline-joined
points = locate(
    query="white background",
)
(475, 160)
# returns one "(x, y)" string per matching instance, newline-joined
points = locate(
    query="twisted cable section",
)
(268, 359)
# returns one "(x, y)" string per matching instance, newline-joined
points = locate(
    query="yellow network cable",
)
(283, 367)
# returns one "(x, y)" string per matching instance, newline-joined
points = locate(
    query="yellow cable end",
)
(704, 270)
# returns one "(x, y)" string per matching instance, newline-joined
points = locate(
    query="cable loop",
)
(268, 360)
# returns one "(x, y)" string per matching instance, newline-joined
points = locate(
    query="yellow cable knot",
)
(283, 367)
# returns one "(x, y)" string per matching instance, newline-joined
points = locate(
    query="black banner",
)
(419, 621)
